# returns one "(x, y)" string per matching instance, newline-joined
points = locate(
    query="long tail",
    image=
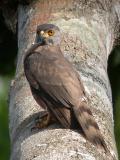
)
(89, 126)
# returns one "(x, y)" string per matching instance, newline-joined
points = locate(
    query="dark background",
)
(8, 52)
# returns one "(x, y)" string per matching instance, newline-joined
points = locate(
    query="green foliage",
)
(117, 121)
(114, 75)
(4, 133)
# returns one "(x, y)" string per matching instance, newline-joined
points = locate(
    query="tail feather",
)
(89, 126)
(66, 117)
(62, 114)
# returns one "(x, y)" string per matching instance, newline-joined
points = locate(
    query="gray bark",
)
(88, 34)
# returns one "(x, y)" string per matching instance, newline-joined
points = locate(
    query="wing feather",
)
(56, 77)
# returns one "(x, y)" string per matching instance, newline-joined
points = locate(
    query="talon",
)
(42, 121)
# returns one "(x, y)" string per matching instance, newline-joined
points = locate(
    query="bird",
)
(57, 87)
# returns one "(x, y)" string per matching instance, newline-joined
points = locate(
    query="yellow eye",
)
(51, 32)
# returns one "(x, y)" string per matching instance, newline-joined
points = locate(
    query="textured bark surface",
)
(88, 34)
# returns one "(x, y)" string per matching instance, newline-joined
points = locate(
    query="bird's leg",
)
(43, 120)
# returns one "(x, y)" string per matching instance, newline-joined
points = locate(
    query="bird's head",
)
(48, 34)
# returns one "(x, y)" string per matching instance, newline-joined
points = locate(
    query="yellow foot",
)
(42, 121)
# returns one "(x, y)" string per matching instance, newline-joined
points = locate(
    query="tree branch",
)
(88, 36)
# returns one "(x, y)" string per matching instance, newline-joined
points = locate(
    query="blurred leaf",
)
(4, 133)
(114, 75)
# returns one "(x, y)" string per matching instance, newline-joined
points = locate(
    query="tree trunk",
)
(88, 31)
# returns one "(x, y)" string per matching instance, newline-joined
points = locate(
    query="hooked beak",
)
(44, 34)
